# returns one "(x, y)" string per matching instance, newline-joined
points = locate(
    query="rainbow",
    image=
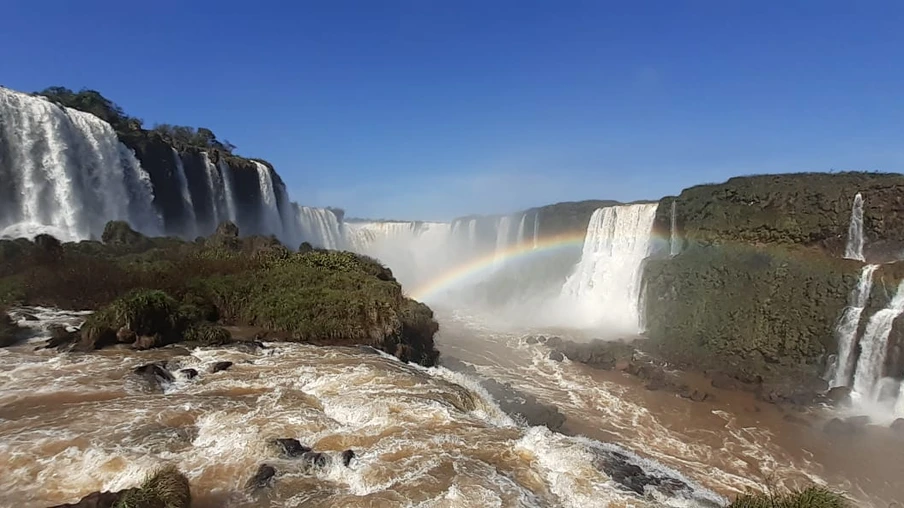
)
(474, 267)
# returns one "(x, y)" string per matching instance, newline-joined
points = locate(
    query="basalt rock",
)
(220, 366)
(290, 447)
(839, 396)
(155, 374)
(624, 471)
(189, 373)
(263, 478)
(347, 457)
(597, 353)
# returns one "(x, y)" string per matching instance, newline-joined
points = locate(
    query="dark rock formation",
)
(803, 209)
(597, 353)
(155, 374)
(290, 447)
(347, 457)
(315, 460)
(220, 366)
(839, 396)
(189, 373)
(556, 356)
(624, 471)
(125, 336)
(897, 426)
(61, 338)
(262, 478)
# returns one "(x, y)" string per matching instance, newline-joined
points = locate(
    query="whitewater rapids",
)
(71, 424)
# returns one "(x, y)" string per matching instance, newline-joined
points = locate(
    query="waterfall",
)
(874, 346)
(216, 190)
(674, 240)
(191, 226)
(536, 227)
(319, 227)
(472, 234)
(604, 288)
(854, 247)
(503, 226)
(846, 331)
(270, 220)
(66, 173)
(415, 251)
(228, 190)
(520, 238)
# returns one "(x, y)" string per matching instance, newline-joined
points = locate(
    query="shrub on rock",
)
(144, 312)
(165, 488)
(118, 232)
(207, 334)
(810, 497)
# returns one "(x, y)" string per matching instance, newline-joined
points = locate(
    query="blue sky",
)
(425, 109)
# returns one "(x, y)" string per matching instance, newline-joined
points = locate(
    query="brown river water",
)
(71, 424)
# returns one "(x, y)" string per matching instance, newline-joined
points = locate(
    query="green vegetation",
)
(172, 290)
(91, 101)
(811, 209)
(810, 497)
(747, 309)
(165, 488)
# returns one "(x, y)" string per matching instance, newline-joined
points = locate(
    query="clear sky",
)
(428, 109)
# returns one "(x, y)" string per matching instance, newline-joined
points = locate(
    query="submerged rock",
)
(556, 356)
(262, 479)
(631, 476)
(219, 366)
(290, 447)
(897, 426)
(347, 457)
(839, 427)
(155, 374)
(61, 337)
(189, 373)
(315, 460)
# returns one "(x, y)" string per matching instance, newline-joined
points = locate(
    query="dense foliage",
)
(170, 289)
(810, 497)
(164, 488)
(91, 101)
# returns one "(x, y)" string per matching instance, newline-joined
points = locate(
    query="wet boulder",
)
(145, 342)
(631, 476)
(839, 427)
(61, 337)
(524, 406)
(189, 373)
(290, 447)
(839, 396)
(897, 426)
(556, 356)
(262, 479)
(599, 354)
(347, 457)
(315, 460)
(125, 335)
(155, 374)
(220, 366)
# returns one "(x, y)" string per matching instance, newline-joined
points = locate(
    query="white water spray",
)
(874, 347)
(270, 220)
(605, 285)
(854, 247)
(846, 331)
(674, 240)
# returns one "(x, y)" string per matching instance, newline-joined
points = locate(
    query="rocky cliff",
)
(759, 284)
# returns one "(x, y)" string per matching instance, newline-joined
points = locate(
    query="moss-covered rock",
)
(811, 209)
(147, 313)
(810, 497)
(747, 310)
(165, 488)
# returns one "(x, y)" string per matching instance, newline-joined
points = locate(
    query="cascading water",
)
(536, 228)
(66, 173)
(521, 225)
(604, 288)
(674, 239)
(414, 250)
(270, 220)
(191, 226)
(319, 227)
(502, 239)
(846, 331)
(874, 347)
(854, 247)
(216, 190)
(229, 191)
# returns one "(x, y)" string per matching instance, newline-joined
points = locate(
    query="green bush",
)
(165, 488)
(145, 312)
(810, 497)
(207, 334)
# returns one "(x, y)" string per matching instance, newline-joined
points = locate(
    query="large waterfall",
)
(846, 331)
(605, 287)
(854, 247)
(65, 172)
(874, 347)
